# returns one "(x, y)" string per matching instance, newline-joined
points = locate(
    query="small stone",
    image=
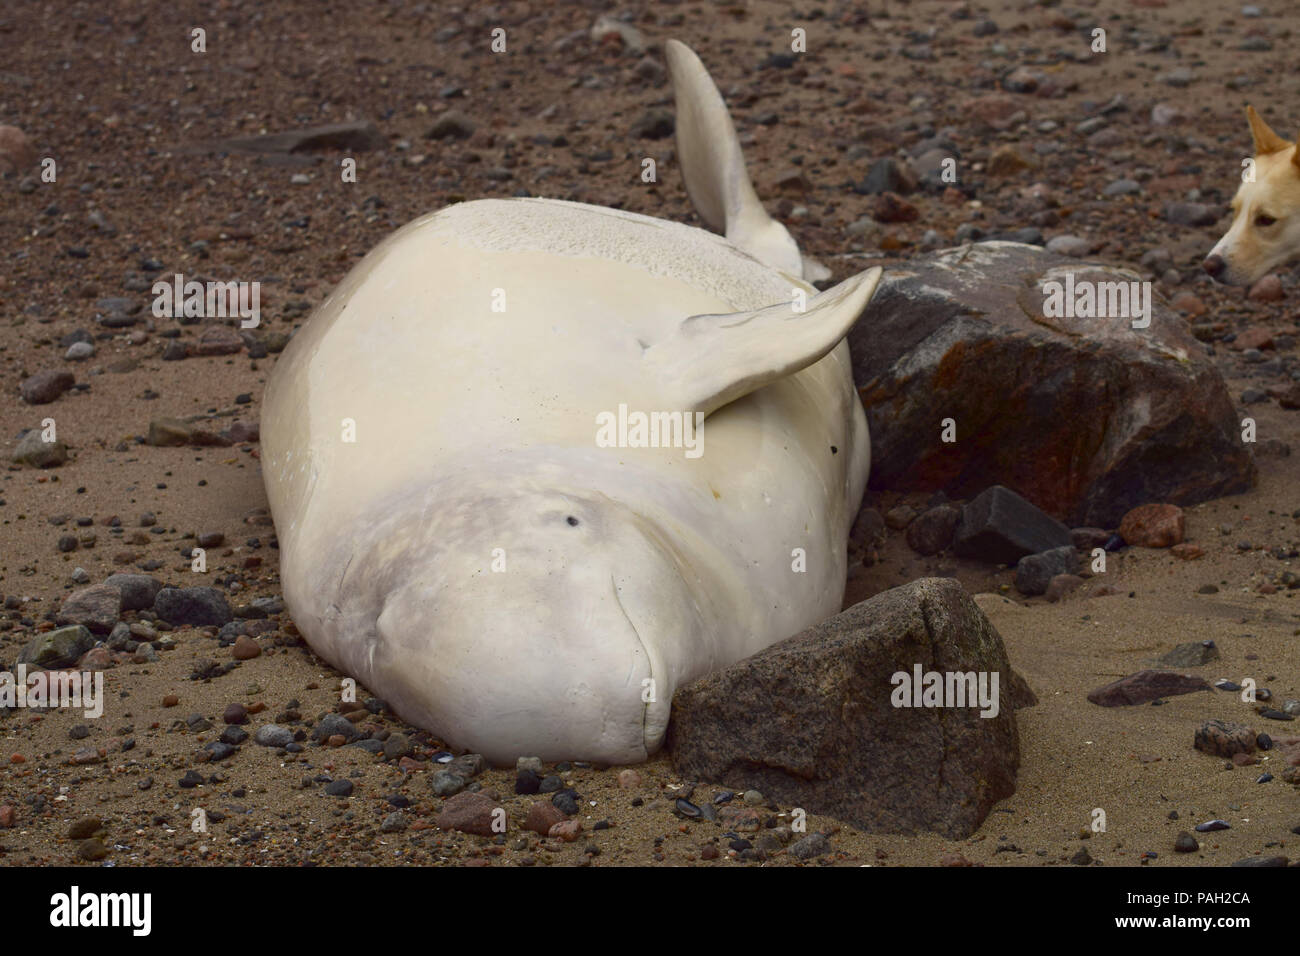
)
(813, 845)
(629, 779)
(1267, 289)
(339, 788)
(1223, 738)
(271, 735)
(469, 812)
(1186, 843)
(542, 816)
(1191, 654)
(566, 830)
(447, 783)
(1153, 526)
(451, 125)
(245, 648)
(1034, 572)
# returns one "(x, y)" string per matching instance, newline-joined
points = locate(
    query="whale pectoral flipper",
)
(712, 360)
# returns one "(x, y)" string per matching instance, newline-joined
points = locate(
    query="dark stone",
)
(192, 607)
(933, 530)
(1034, 572)
(837, 744)
(999, 526)
(139, 591)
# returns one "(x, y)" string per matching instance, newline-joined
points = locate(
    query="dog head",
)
(1265, 230)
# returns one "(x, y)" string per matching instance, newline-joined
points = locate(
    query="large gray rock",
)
(1087, 418)
(811, 721)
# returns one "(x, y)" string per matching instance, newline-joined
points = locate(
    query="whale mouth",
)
(650, 663)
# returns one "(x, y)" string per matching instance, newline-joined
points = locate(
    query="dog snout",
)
(1214, 265)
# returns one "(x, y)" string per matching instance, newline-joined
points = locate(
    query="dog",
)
(1265, 230)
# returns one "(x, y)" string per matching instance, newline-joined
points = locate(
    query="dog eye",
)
(1262, 220)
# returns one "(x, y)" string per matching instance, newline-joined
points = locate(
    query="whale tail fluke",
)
(713, 167)
(712, 360)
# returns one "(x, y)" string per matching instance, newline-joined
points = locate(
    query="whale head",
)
(541, 623)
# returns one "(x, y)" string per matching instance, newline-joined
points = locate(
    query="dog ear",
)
(1266, 141)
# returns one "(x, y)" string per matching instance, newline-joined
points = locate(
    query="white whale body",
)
(455, 533)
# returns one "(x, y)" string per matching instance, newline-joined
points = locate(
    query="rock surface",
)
(1145, 686)
(837, 744)
(1087, 418)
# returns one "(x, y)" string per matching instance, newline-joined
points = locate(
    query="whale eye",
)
(572, 520)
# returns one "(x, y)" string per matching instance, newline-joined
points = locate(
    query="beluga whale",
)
(534, 464)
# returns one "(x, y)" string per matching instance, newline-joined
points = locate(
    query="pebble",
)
(272, 735)
(1186, 843)
(339, 788)
(1223, 738)
(529, 763)
(447, 783)
(813, 845)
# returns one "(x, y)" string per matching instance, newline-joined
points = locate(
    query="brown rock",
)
(468, 812)
(1267, 289)
(85, 828)
(16, 153)
(44, 387)
(1145, 686)
(543, 815)
(97, 607)
(740, 818)
(888, 207)
(245, 648)
(629, 779)
(219, 340)
(7, 815)
(837, 744)
(1290, 399)
(1223, 738)
(566, 830)
(1255, 338)
(1006, 161)
(962, 334)
(1153, 526)
(995, 110)
(92, 850)
(1189, 304)
(97, 659)
(1187, 551)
